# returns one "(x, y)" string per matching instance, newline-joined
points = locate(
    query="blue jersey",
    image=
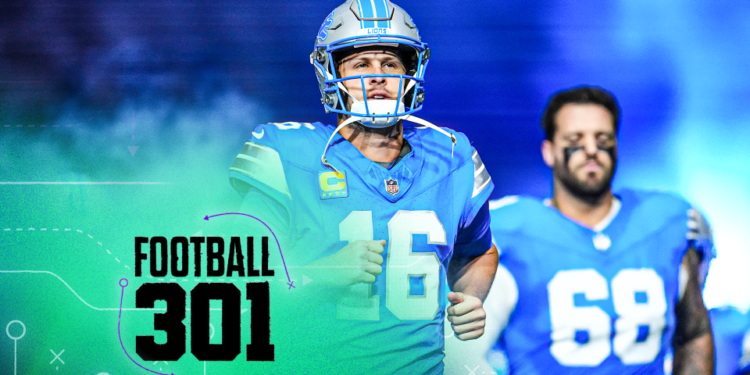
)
(731, 330)
(592, 301)
(419, 206)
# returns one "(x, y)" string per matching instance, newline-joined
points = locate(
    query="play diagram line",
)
(68, 230)
(71, 289)
(81, 298)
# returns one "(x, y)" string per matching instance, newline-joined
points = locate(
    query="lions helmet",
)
(363, 23)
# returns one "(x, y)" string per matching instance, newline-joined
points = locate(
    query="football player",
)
(592, 281)
(731, 329)
(374, 214)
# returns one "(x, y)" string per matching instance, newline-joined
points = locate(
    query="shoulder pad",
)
(437, 142)
(261, 161)
(513, 212)
(669, 206)
(283, 136)
(656, 200)
(654, 207)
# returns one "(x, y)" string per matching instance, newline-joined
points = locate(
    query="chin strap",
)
(409, 118)
(338, 128)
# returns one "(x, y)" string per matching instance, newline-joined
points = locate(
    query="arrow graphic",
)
(290, 283)
(119, 318)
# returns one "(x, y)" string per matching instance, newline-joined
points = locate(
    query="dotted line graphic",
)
(195, 280)
(41, 126)
(68, 230)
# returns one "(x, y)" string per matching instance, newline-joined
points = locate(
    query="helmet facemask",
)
(359, 92)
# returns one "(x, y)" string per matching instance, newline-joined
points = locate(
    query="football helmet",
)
(364, 23)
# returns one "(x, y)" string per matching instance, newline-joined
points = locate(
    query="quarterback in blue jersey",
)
(591, 281)
(731, 329)
(374, 214)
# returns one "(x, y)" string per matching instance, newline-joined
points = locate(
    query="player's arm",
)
(479, 354)
(693, 341)
(473, 276)
(470, 273)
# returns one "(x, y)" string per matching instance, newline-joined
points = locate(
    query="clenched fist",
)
(357, 262)
(466, 315)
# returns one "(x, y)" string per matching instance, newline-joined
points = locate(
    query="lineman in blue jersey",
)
(731, 329)
(373, 216)
(590, 281)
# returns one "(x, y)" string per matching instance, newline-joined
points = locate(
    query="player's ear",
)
(547, 153)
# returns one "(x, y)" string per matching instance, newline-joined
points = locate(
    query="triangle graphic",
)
(305, 280)
(133, 150)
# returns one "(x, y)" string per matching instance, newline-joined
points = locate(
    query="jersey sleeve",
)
(259, 165)
(474, 236)
(270, 214)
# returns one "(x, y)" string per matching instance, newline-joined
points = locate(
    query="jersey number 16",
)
(401, 264)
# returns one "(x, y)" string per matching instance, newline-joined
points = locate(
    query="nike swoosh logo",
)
(259, 135)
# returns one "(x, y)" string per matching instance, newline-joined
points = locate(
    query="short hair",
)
(579, 95)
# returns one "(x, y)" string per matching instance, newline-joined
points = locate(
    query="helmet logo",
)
(323, 33)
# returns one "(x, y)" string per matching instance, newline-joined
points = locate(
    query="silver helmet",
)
(363, 23)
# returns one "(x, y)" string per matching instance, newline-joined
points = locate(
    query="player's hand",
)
(357, 262)
(466, 315)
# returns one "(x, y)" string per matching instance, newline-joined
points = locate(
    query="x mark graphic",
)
(57, 356)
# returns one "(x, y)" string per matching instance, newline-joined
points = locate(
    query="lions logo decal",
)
(323, 33)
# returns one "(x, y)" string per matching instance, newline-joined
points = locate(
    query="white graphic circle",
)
(7, 330)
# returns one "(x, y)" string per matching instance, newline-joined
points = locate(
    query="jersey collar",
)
(614, 209)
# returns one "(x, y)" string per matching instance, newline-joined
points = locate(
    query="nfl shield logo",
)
(391, 186)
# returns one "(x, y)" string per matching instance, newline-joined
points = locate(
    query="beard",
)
(587, 191)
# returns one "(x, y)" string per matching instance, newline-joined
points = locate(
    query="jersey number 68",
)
(639, 302)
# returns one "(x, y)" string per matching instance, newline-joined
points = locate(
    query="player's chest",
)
(537, 262)
(427, 212)
(590, 310)
(349, 207)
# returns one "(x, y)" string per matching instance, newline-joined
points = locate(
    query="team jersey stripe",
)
(262, 164)
(481, 176)
(366, 11)
(387, 13)
(380, 12)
